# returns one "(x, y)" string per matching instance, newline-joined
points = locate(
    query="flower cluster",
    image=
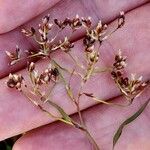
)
(14, 56)
(66, 45)
(37, 79)
(15, 81)
(40, 81)
(130, 88)
(121, 19)
(47, 45)
(74, 23)
(28, 33)
(94, 35)
(45, 77)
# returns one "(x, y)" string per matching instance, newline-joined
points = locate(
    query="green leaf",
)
(61, 111)
(127, 121)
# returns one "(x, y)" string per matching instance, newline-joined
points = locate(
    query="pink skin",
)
(105, 11)
(21, 11)
(18, 115)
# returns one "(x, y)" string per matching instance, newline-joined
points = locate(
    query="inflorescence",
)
(129, 87)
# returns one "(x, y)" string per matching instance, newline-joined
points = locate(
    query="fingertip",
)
(20, 12)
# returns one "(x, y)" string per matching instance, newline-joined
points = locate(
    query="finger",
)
(24, 116)
(14, 13)
(8, 42)
(22, 11)
(98, 10)
(60, 11)
(102, 122)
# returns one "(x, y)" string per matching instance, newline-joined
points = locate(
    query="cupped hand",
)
(18, 115)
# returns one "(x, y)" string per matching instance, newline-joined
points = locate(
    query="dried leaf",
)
(127, 121)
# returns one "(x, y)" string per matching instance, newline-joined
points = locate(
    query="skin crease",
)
(139, 31)
(108, 90)
(68, 8)
(57, 135)
(21, 11)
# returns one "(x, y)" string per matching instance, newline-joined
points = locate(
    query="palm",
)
(18, 115)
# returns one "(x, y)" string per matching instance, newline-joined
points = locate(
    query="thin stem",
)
(107, 36)
(62, 120)
(47, 112)
(38, 105)
(70, 94)
(53, 39)
(49, 92)
(108, 103)
(64, 69)
(79, 113)
(91, 139)
(75, 61)
(101, 70)
(89, 136)
(37, 54)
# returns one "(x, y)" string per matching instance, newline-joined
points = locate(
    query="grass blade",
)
(127, 121)
(61, 111)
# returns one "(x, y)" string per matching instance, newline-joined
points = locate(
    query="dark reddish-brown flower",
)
(129, 87)
(14, 56)
(15, 81)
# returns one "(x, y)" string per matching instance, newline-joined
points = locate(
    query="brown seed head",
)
(87, 22)
(31, 66)
(14, 56)
(121, 19)
(66, 45)
(120, 61)
(28, 33)
(15, 81)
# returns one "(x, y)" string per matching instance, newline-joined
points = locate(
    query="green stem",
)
(91, 139)
(89, 136)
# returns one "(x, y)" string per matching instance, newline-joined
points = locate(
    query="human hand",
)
(21, 116)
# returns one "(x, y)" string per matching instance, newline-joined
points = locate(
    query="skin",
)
(18, 115)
